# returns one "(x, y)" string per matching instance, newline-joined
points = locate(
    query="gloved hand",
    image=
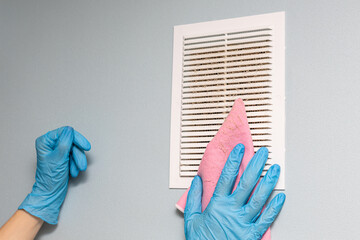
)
(231, 215)
(59, 153)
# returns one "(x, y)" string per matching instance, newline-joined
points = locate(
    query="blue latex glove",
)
(232, 215)
(59, 153)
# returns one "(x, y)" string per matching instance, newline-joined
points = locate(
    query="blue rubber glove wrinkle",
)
(53, 169)
(232, 215)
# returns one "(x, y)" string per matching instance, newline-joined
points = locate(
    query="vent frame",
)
(274, 22)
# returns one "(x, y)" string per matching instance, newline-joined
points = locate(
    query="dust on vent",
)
(215, 63)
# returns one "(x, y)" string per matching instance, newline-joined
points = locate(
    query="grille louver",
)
(217, 68)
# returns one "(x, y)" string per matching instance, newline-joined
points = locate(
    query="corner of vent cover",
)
(215, 63)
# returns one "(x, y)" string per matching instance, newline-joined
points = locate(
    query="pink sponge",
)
(234, 130)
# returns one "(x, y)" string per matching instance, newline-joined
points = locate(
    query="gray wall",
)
(104, 67)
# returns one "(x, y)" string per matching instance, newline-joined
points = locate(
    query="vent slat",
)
(265, 116)
(254, 128)
(194, 144)
(188, 174)
(186, 168)
(259, 126)
(250, 115)
(221, 46)
(224, 70)
(198, 133)
(239, 58)
(203, 122)
(194, 173)
(200, 128)
(224, 54)
(259, 107)
(189, 151)
(260, 131)
(234, 41)
(202, 39)
(233, 97)
(262, 143)
(223, 92)
(199, 50)
(259, 114)
(245, 75)
(227, 64)
(247, 46)
(206, 110)
(265, 108)
(252, 34)
(191, 157)
(196, 141)
(256, 148)
(222, 104)
(231, 36)
(189, 162)
(261, 138)
(209, 44)
(226, 81)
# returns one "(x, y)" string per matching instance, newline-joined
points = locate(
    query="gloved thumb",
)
(65, 141)
(193, 203)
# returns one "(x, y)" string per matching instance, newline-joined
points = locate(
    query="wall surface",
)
(104, 67)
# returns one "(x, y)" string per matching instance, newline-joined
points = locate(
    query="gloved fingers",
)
(54, 134)
(65, 141)
(230, 171)
(74, 171)
(261, 193)
(193, 203)
(270, 213)
(250, 176)
(79, 158)
(81, 142)
(47, 142)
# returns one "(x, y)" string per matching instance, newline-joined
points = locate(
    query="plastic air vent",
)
(214, 64)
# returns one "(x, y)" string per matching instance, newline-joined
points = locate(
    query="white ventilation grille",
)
(214, 64)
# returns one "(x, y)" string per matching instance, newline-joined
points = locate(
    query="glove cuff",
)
(43, 207)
